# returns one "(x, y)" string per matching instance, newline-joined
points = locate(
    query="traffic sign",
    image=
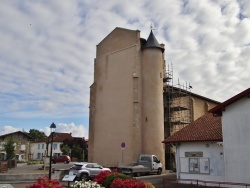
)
(123, 145)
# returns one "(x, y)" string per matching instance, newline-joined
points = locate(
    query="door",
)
(156, 163)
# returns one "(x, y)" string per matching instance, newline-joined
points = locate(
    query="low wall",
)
(20, 177)
(32, 177)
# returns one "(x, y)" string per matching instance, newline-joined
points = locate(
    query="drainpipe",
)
(177, 151)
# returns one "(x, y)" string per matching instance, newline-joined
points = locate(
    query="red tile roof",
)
(57, 137)
(205, 128)
(60, 137)
(217, 110)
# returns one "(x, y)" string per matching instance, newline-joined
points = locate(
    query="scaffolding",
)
(177, 112)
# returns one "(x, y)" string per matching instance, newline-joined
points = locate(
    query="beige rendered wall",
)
(116, 115)
(201, 106)
(118, 39)
(152, 102)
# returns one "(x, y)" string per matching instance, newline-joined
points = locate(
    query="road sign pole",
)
(123, 147)
(122, 156)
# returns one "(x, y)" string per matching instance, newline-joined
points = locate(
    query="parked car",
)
(86, 170)
(61, 159)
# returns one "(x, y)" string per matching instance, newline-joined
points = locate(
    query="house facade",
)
(199, 150)
(235, 115)
(215, 147)
(42, 147)
(21, 142)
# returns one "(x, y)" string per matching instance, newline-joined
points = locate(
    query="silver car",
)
(86, 170)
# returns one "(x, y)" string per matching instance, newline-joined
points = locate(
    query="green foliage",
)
(34, 162)
(110, 178)
(36, 134)
(77, 152)
(10, 148)
(78, 148)
(65, 149)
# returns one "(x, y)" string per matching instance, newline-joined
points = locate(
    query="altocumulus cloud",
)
(47, 49)
(76, 131)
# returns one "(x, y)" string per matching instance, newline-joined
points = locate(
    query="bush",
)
(86, 184)
(101, 177)
(34, 162)
(149, 185)
(44, 182)
(127, 183)
(111, 177)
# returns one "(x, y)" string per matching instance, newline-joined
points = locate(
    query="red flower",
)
(127, 183)
(44, 182)
(101, 177)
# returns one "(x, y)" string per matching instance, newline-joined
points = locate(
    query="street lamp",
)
(52, 127)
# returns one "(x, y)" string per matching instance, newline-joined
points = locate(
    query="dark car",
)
(61, 159)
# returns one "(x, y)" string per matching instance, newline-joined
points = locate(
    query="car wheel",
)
(159, 171)
(84, 176)
(65, 162)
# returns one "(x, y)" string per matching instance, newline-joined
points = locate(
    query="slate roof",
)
(205, 128)
(152, 42)
(217, 110)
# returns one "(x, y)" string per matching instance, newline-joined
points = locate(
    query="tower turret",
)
(152, 97)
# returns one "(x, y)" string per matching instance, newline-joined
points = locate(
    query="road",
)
(157, 181)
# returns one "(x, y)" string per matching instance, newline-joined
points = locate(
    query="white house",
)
(202, 155)
(199, 150)
(235, 115)
(41, 147)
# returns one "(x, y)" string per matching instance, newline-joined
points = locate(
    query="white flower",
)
(86, 184)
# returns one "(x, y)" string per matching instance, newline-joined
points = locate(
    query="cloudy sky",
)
(47, 50)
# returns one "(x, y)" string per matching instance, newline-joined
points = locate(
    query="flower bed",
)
(104, 179)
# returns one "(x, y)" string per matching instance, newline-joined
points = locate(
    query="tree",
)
(65, 149)
(77, 152)
(10, 148)
(78, 148)
(36, 134)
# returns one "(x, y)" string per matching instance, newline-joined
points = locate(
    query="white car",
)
(84, 170)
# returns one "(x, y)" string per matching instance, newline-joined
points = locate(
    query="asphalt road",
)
(24, 168)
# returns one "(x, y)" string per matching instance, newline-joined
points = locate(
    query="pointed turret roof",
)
(152, 42)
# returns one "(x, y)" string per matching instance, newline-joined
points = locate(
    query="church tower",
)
(126, 99)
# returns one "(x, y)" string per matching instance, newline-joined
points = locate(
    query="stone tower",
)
(126, 99)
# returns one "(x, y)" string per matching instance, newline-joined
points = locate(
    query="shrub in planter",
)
(100, 178)
(86, 184)
(44, 182)
(149, 185)
(127, 183)
(111, 177)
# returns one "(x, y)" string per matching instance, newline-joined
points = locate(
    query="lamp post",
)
(52, 127)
